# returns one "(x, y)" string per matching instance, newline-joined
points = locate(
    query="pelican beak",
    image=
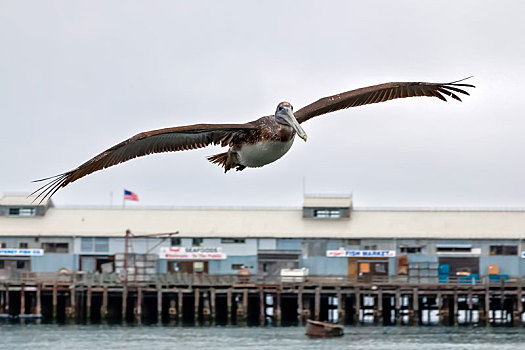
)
(295, 124)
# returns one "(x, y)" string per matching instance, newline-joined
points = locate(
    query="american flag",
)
(130, 196)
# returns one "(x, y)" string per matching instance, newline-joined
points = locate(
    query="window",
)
(20, 264)
(175, 241)
(237, 266)
(22, 211)
(454, 249)
(197, 242)
(410, 249)
(101, 244)
(354, 242)
(380, 267)
(2, 264)
(86, 244)
(233, 240)
(94, 244)
(327, 213)
(198, 266)
(22, 245)
(503, 250)
(371, 247)
(55, 247)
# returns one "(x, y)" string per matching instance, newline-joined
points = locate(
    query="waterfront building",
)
(327, 236)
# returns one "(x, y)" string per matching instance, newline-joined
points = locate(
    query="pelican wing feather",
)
(381, 93)
(156, 141)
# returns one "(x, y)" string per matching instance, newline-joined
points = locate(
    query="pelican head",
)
(284, 115)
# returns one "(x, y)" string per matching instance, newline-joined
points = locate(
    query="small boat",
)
(318, 329)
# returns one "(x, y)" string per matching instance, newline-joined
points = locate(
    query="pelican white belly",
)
(262, 153)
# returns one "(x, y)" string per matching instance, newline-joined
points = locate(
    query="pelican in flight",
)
(253, 144)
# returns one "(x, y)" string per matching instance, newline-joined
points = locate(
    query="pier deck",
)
(202, 298)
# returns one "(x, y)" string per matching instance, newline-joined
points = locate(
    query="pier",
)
(242, 299)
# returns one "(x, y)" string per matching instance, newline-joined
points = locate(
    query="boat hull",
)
(317, 329)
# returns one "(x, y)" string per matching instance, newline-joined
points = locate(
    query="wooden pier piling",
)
(22, 299)
(455, 312)
(55, 301)
(124, 301)
(179, 305)
(212, 304)
(398, 318)
(300, 307)
(357, 308)
(38, 309)
(378, 312)
(277, 309)
(517, 315)
(317, 305)
(88, 303)
(340, 306)
(487, 307)
(245, 304)
(229, 305)
(2, 301)
(159, 304)
(104, 307)
(138, 309)
(415, 307)
(196, 305)
(470, 305)
(71, 310)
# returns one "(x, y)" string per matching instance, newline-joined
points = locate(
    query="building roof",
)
(22, 200)
(327, 201)
(285, 223)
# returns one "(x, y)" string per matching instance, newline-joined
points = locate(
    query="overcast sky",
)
(77, 77)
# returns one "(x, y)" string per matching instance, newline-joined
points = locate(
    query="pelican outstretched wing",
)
(156, 141)
(381, 93)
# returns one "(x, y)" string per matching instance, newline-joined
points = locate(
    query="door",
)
(352, 267)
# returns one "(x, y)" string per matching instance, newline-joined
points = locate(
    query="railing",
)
(198, 279)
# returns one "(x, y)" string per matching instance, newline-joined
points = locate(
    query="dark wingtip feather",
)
(457, 81)
(46, 191)
(48, 178)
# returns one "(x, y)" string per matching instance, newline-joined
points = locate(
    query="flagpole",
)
(123, 199)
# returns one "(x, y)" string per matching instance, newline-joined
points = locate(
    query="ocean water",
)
(48, 336)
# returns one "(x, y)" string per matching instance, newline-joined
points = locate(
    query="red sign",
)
(193, 253)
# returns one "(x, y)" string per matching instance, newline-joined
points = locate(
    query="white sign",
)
(523, 255)
(22, 252)
(342, 253)
(191, 253)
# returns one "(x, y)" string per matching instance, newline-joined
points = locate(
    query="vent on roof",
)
(20, 205)
(327, 207)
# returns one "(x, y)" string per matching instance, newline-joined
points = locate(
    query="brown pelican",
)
(253, 144)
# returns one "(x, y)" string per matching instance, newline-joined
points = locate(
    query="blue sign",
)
(21, 252)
